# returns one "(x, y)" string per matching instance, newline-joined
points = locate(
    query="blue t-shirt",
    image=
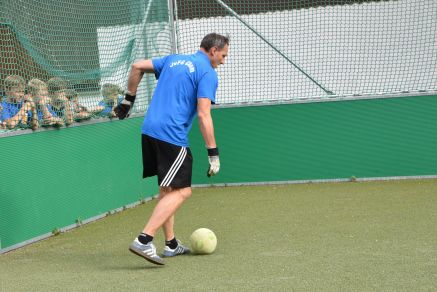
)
(10, 109)
(181, 80)
(50, 109)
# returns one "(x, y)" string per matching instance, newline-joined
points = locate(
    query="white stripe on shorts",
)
(174, 168)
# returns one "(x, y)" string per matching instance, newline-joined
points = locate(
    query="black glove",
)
(214, 162)
(123, 110)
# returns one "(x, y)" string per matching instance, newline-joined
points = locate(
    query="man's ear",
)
(213, 50)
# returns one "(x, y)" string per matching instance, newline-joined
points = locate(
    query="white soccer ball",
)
(203, 241)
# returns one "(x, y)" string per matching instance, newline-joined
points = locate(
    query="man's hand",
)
(214, 162)
(124, 108)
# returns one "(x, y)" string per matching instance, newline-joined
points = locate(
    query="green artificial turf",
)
(352, 236)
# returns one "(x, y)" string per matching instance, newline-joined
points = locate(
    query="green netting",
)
(292, 50)
(280, 50)
(83, 45)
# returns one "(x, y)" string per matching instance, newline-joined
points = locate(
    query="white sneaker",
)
(180, 249)
(147, 251)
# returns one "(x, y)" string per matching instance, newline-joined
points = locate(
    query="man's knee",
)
(185, 192)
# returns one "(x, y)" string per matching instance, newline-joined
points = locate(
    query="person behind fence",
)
(187, 85)
(80, 112)
(112, 97)
(2, 123)
(57, 88)
(38, 91)
(18, 110)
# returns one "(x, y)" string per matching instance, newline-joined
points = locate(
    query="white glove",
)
(214, 162)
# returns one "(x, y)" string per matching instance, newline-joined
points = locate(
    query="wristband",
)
(213, 151)
(129, 97)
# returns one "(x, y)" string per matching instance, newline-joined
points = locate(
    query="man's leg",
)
(173, 247)
(163, 214)
(169, 224)
(168, 228)
(165, 209)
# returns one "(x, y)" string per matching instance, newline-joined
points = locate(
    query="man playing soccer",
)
(187, 85)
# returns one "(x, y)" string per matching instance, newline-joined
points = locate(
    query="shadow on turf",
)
(146, 265)
(136, 267)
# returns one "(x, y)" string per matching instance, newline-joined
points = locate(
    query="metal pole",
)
(172, 16)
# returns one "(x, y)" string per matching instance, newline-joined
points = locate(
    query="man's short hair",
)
(14, 81)
(214, 40)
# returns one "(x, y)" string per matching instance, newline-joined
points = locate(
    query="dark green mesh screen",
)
(84, 45)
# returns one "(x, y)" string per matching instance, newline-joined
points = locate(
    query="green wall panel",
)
(50, 179)
(325, 140)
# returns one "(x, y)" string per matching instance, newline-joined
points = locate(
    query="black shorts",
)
(173, 164)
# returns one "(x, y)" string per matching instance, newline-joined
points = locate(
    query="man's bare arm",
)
(136, 74)
(205, 122)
